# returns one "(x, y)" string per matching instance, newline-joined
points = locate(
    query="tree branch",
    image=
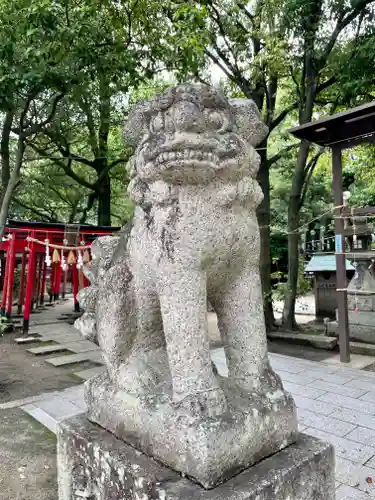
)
(248, 14)
(41, 215)
(108, 167)
(281, 153)
(281, 117)
(65, 151)
(67, 167)
(309, 170)
(4, 148)
(38, 127)
(341, 24)
(90, 203)
(90, 126)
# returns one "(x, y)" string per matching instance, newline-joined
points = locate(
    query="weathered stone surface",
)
(364, 302)
(102, 250)
(195, 238)
(209, 450)
(93, 464)
(362, 333)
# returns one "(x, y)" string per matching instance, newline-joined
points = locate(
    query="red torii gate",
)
(25, 242)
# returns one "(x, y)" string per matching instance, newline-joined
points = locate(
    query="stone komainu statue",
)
(194, 237)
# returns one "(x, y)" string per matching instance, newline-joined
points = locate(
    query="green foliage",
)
(97, 54)
(281, 288)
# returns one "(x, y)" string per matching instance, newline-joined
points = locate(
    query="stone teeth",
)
(187, 154)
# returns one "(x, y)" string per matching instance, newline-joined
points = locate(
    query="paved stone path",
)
(335, 403)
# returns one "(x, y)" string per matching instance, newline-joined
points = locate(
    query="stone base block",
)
(94, 464)
(362, 318)
(364, 302)
(362, 333)
(209, 450)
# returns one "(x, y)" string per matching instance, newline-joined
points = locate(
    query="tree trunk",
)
(289, 320)
(12, 184)
(264, 220)
(5, 153)
(104, 202)
(294, 207)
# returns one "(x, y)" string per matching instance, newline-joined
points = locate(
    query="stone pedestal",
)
(208, 450)
(94, 465)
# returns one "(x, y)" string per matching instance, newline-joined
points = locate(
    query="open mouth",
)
(186, 155)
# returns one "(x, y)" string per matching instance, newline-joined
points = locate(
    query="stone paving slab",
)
(344, 390)
(326, 424)
(345, 448)
(42, 417)
(55, 327)
(46, 349)
(349, 403)
(337, 378)
(61, 338)
(353, 417)
(314, 405)
(355, 475)
(82, 346)
(58, 407)
(301, 390)
(91, 372)
(345, 492)
(363, 435)
(75, 358)
(361, 384)
(291, 377)
(27, 340)
(369, 396)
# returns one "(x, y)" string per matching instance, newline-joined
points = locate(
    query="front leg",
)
(239, 307)
(182, 294)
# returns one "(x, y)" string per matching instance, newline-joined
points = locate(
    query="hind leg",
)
(146, 367)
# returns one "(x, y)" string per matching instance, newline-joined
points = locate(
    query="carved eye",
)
(157, 123)
(216, 120)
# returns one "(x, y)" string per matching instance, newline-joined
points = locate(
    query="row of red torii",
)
(48, 256)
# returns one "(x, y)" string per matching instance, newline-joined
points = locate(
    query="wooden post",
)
(341, 293)
(75, 284)
(12, 265)
(34, 300)
(29, 284)
(64, 283)
(52, 282)
(57, 284)
(5, 284)
(40, 278)
(43, 289)
(21, 294)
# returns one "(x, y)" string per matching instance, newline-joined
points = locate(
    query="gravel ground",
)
(27, 458)
(23, 375)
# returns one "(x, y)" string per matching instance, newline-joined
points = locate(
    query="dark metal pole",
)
(341, 282)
